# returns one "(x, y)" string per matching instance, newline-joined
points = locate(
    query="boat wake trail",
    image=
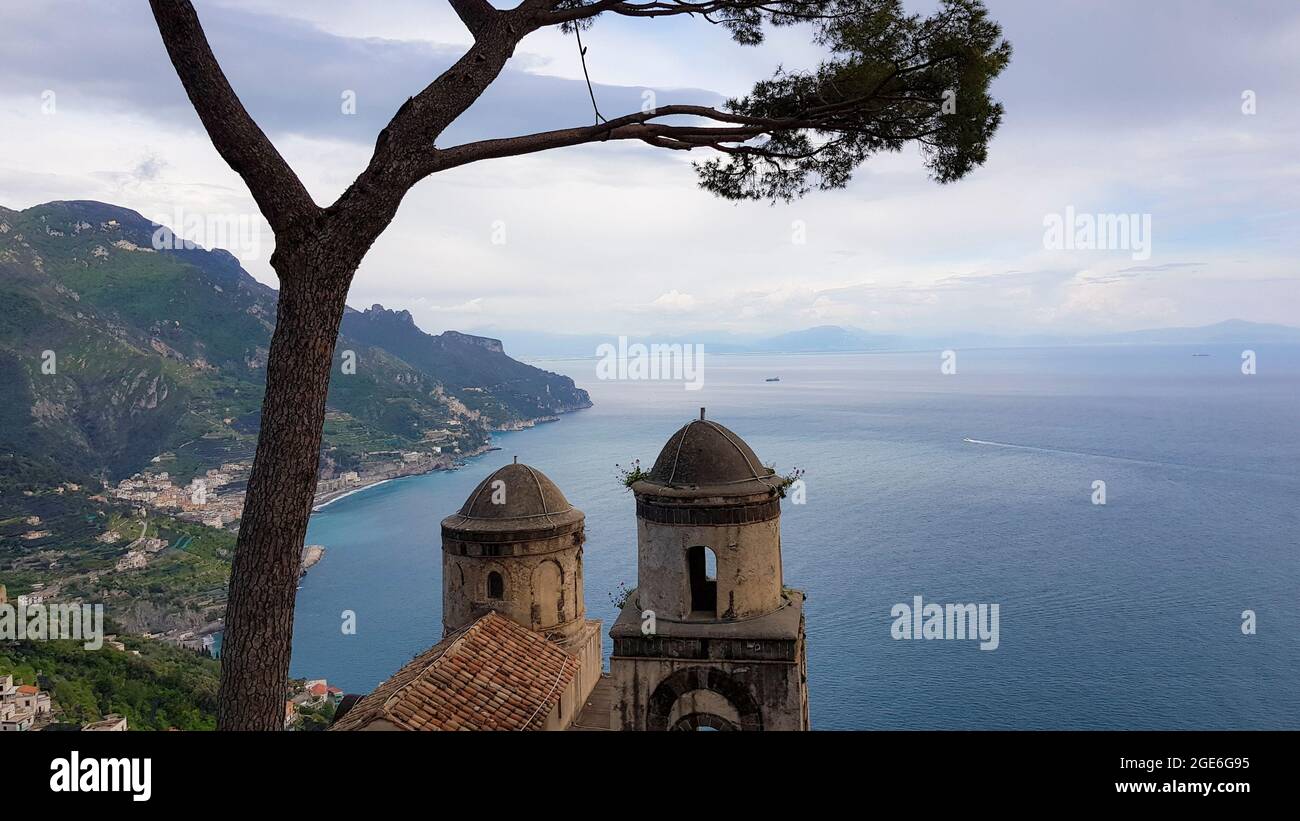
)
(1046, 450)
(1129, 459)
(1073, 453)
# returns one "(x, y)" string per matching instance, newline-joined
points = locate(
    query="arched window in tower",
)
(702, 570)
(548, 594)
(496, 586)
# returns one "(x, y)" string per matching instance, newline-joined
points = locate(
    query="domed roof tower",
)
(710, 637)
(708, 501)
(514, 547)
(705, 454)
(514, 499)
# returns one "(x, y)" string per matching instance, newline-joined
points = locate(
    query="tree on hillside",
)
(887, 80)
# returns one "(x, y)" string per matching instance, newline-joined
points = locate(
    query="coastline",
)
(324, 500)
(311, 555)
(328, 499)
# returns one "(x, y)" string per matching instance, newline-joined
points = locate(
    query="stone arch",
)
(549, 599)
(703, 710)
(703, 721)
(578, 593)
(493, 571)
(736, 692)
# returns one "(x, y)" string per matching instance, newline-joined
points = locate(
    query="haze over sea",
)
(1126, 615)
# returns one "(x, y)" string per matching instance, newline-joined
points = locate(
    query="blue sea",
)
(1114, 616)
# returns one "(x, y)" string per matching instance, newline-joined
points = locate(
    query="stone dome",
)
(704, 454)
(526, 500)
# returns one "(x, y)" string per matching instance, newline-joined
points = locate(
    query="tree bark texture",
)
(257, 641)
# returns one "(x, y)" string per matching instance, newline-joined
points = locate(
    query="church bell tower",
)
(710, 638)
(515, 547)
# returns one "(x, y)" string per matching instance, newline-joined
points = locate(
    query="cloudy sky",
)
(1112, 107)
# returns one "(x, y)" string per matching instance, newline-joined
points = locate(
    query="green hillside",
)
(163, 352)
(162, 688)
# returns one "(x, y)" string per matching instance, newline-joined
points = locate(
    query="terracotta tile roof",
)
(493, 675)
(28, 690)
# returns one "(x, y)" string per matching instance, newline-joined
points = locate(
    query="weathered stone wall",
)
(655, 693)
(585, 644)
(542, 579)
(748, 558)
(740, 665)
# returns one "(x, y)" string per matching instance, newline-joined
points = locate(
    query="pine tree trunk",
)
(256, 643)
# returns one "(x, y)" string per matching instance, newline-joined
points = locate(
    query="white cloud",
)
(674, 302)
(618, 238)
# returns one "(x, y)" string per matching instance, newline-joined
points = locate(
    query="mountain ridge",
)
(115, 350)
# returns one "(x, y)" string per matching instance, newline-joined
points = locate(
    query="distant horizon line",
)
(733, 342)
(921, 334)
(526, 358)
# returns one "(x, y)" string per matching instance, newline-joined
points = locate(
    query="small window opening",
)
(702, 570)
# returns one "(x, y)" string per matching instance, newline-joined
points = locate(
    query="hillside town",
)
(22, 706)
(142, 539)
(26, 708)
(203, 500)
(311, 705)
(216, 499)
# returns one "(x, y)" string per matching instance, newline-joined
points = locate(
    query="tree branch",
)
(275, 187)
(404, 147)
(475, 14)
(639, 126)
(787, 9)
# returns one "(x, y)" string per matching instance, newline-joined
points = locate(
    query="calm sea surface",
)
(1126, 615)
